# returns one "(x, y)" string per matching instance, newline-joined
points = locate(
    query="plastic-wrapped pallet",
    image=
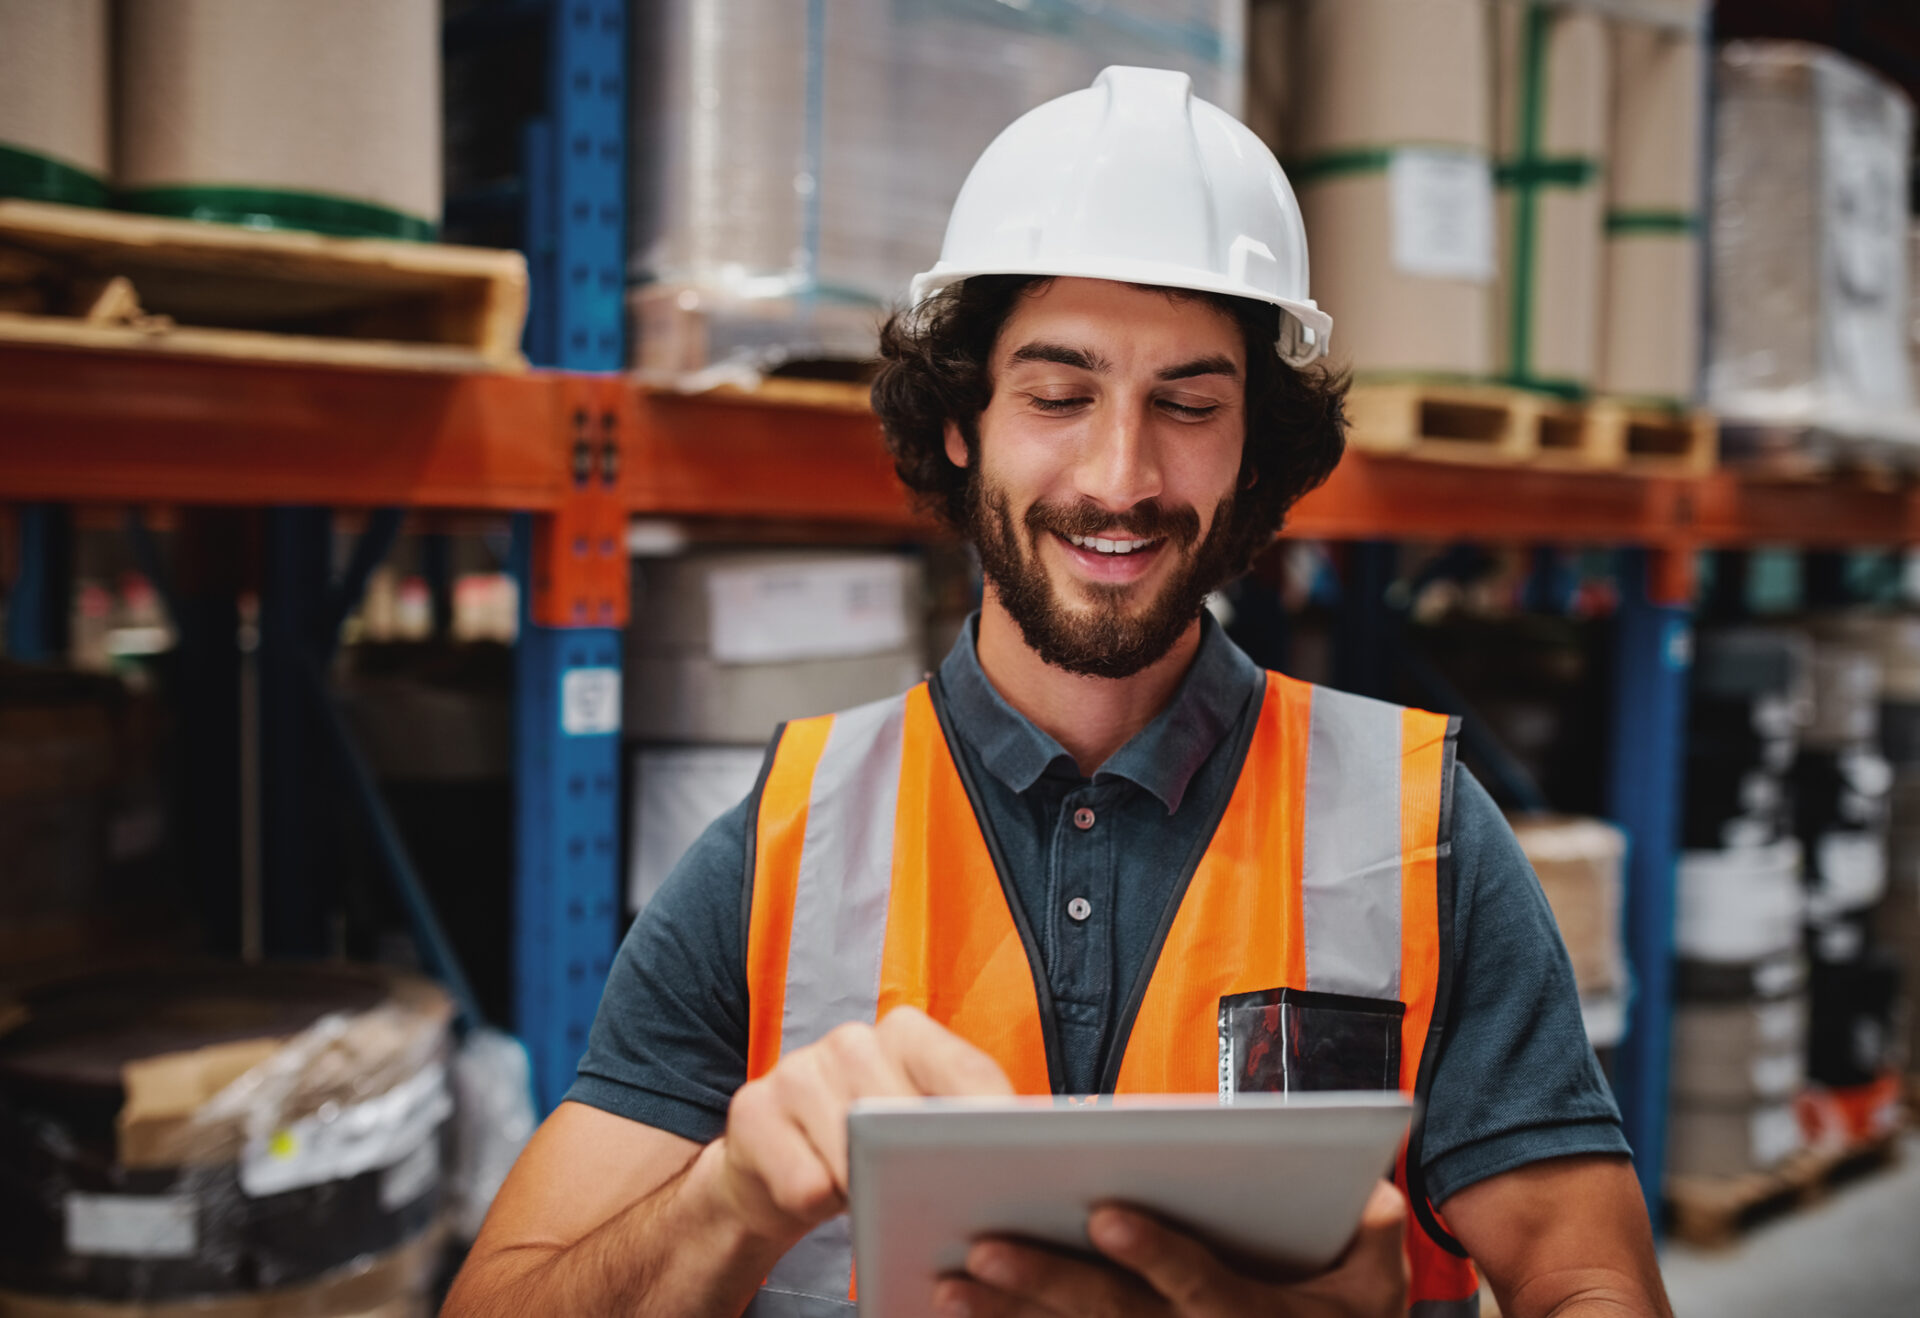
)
(1551, 118)
(283, 113)
(54, 143)
(1579, 864)
(259, 1140)
(1808, 240)
(796, 161)
(725, 645)
(1389, 150)
(1650, 318)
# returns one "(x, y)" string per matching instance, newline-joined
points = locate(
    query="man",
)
(1099, 837)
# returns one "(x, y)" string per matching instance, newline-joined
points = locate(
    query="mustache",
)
(1148, 520)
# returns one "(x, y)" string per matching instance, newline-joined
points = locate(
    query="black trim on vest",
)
(1442, 1005)
(1049, 1028)
(1130, 1010)
(752, 849)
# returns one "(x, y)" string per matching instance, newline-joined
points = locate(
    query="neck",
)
(1091, 717)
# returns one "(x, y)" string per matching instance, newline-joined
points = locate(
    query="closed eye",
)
(1191, 413)
(1057, 404)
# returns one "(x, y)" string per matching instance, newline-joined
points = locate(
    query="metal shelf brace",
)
(573, 572)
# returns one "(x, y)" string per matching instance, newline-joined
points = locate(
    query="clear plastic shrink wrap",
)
(796, 159)
(224, 1141)
(1808, 238)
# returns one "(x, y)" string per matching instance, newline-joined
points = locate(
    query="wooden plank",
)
(240, 345)
(1446, 423)
(1711, 1211)
(218, 277)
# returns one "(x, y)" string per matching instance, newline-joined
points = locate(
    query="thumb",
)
(1382, 1238)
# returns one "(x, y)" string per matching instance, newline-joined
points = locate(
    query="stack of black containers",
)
(1740, 1022)
(1842, 788)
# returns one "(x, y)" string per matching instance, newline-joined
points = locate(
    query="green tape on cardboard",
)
(1653, 223)
(42, 178)
(1548, 172)
(271, 208)
(1340, 164)
(1533, 95)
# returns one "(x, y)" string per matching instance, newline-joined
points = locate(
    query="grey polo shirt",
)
(1516, 1080)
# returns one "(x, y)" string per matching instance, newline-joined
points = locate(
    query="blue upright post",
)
(1653, 653)
(567, 667)
(39, 600)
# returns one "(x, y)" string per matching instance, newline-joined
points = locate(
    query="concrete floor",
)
(1857, 1255)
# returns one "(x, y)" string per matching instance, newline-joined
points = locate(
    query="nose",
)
(1120, 462)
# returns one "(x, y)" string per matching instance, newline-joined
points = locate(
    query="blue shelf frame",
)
(567, 783)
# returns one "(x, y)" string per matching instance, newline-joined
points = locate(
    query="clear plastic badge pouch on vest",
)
(1288, 1041)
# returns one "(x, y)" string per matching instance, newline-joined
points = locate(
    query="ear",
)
(956, 445)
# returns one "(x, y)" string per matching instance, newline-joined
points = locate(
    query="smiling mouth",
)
(1102, 545)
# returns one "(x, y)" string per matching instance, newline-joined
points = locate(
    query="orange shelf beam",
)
(98, 428)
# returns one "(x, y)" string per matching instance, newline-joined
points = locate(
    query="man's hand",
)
(1160, 1273)
(782, 1164)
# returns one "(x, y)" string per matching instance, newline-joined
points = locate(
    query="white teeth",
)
(1104, 546)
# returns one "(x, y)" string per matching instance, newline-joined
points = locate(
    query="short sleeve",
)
(1516, 1081)
(669, 1044)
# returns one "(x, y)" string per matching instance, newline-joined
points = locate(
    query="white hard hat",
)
(1136, 179)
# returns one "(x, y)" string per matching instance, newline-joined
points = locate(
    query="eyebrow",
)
(1082, 359)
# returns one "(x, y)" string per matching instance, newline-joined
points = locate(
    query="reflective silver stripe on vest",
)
(839, 937)
(1467, 1308)
(771, 1303)
(1350, 863)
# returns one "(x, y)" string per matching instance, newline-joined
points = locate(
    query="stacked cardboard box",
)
(1551, 117)
(1650, 318)
(1579, 863)
(279, 112)
(1389, 149)
(727, 644)
(54, 142)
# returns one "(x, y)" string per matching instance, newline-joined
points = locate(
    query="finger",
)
(848, 1063)
(1057, 1283)
(966, 1297)
(937, 1060)
(778, 1166)
(1174, 1264)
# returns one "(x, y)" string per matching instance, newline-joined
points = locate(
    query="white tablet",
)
(1280, 1179)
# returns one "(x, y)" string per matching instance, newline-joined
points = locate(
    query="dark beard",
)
(1107, 641)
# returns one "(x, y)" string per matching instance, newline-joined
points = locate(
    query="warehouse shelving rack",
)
(574, 455)
(574, 451)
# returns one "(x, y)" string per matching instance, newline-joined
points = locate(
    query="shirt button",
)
(1079, 909)
(1083, 820)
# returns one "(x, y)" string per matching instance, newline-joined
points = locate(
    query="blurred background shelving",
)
(544, 604)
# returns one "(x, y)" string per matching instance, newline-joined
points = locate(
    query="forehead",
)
(1125, 323)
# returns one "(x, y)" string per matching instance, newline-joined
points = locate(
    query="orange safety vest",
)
(875, 885)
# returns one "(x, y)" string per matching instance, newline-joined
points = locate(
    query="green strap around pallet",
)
(42, 178)
(1533, 93)
(273, 208)
(1664, 223)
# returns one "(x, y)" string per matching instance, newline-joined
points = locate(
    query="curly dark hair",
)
(934, 367)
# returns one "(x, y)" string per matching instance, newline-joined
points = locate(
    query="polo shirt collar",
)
(1161, 758)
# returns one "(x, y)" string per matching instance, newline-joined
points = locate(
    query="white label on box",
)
(677, 792)
(1442, 206)
(590, 702)
(411, 1177)
(134, 1226)
(338, 1143)
(828, 609)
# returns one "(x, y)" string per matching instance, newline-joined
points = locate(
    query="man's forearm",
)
(675, 1253)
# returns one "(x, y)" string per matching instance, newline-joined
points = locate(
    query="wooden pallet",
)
(1713, 1210)
(1515, 427)
(76, 277)
(1446, 422)
(1804, 454)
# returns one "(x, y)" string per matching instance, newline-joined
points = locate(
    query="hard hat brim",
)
(1300, 344)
